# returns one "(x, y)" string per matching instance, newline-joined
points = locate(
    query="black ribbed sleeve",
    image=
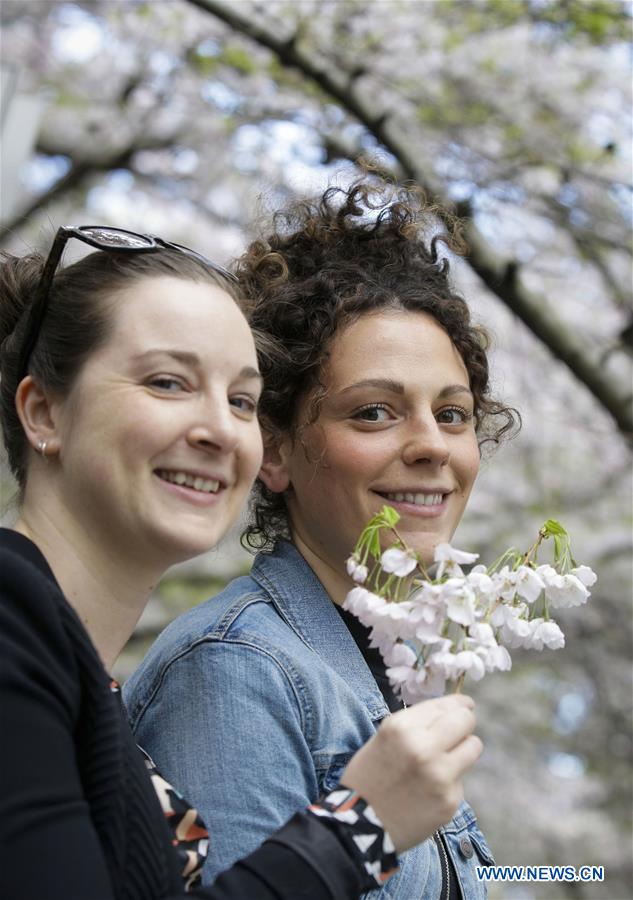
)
(79, 819)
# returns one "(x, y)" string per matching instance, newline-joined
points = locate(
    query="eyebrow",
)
(396, 387)
(193, 360)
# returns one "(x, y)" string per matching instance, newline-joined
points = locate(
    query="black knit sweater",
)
(79, 818)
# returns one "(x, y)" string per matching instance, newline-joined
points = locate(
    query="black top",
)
(372, 656)
(79, 818)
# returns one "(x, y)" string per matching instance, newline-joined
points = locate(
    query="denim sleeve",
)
(228, 724)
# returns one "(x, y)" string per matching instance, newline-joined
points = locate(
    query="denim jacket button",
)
(466, 847)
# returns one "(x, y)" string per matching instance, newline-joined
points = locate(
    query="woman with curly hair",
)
(381, 397)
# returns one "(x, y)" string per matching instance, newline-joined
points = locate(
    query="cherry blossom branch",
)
(457, 624)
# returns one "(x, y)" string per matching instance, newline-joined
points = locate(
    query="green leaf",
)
(552, 527)
(390, 516)
(386, 518)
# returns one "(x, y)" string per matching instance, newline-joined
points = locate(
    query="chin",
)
(425, 547)
(179, 548)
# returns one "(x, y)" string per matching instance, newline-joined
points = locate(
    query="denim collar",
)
(302, 601)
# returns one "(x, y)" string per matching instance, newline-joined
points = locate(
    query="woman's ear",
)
(36, 415)
(274, 471)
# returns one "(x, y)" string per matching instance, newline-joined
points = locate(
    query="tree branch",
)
(74, 178)
(80, 171)
(501, 276)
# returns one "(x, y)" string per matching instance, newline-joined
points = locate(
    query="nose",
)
(215, 428)
(426, 442)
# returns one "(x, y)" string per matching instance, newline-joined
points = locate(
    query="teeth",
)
(206, 485)
(417, 499)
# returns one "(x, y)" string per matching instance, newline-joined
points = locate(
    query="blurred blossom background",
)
(194, 119)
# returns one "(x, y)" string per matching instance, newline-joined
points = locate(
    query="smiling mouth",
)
(194, 482)
(417, 499)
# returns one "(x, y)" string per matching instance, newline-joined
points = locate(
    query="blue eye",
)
(244, 404)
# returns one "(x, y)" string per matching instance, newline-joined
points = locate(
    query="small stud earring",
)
(41, 446)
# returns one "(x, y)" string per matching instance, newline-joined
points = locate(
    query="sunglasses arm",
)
(38, 306)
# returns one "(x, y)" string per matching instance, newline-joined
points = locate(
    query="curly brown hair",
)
(362, 249)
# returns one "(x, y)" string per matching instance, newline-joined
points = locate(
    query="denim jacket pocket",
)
(469, 852)
(480, 844)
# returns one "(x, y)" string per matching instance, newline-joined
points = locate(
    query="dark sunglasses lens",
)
(113, 238)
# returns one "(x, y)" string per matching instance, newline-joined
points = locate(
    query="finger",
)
(451, 728)
(465, 754)
(451, 703)
(426, 713)
(461, 699)
(448, 701)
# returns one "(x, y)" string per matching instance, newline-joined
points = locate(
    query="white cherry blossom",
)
(481, 640)
(498, 659)
(469, 663)
(453, 624)
(356, 570)
(566, 590)
(442, 663)
(529, 585)
(505, 583)
(363, 604)
(400, 655)
(460, 601)
(482, 633)
(585, 574)
(397, 561)
(514, 628)
(481, 583)
(450, 559)
(547, 573)
(428, 626)
(545, 634)
(422, 684)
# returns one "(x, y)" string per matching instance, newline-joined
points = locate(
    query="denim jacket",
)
(254, 702)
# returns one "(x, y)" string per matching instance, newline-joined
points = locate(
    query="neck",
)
(335, 581)
(107, 593)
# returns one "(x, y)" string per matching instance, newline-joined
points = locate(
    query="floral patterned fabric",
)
(360, 829)
(190, 836)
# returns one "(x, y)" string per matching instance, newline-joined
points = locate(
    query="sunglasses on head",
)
(102, 237)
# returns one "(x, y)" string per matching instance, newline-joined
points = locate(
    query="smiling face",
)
(159, 440)
(396, 427)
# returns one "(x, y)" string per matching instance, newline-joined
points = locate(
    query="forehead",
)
(198, 315)
(397, 342)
